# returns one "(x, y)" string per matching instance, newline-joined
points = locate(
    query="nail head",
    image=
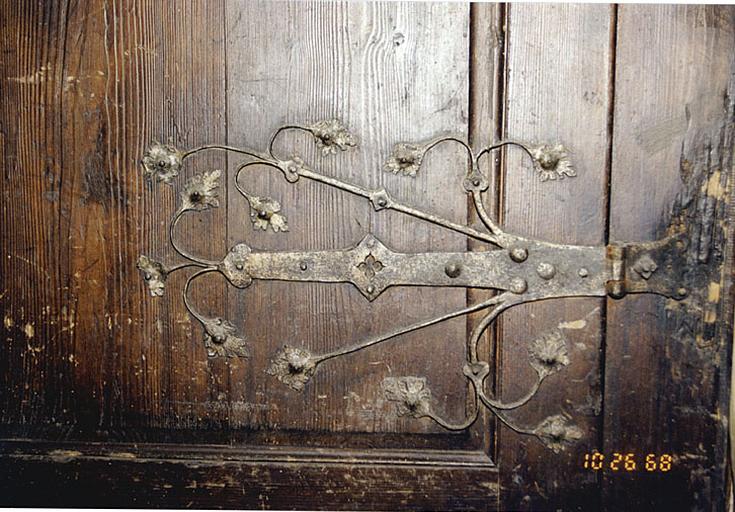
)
(518, 285)
(519, 254)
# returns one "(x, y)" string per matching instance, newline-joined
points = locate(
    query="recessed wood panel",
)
(374, 66)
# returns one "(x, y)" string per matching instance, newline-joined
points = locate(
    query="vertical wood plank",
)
(32, 289)
(91, 193)
(87, 89)
(376, 67)
(182, 54)
(664, 388)
(558, 67)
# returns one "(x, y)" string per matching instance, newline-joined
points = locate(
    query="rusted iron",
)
(521, 269)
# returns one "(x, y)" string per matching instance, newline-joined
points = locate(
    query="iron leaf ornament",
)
(520, 269)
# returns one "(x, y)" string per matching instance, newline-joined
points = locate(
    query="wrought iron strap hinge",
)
(649, 267)
(521, 270)
(531, 269)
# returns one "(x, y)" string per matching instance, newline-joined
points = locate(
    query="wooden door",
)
(111, 397)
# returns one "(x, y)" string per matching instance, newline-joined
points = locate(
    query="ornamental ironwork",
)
(519, 269)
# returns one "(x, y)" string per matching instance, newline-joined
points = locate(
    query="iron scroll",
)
(521, 270)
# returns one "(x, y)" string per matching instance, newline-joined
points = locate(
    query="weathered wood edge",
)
(53, 474)
(36, 449)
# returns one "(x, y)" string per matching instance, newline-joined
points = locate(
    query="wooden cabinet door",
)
(205, 394)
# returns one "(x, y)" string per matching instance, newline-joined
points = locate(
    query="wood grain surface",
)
(555, 93)
(88, 88)
(371, 65)
(107, 397)
(673, 125)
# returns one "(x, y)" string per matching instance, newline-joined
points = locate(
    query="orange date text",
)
(628, 462)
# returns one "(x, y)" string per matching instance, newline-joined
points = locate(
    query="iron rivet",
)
(548, 162)
(519, 254)
(476, 182)
(583, 272)
(295, 366)
(239, 266)
(518, 285)
(147, 277)
(682, 292)
(382, 201)
(452, 269)
(370, 288)
(545, 270)
(303, 265)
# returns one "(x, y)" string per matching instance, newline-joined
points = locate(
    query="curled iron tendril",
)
(295, 366)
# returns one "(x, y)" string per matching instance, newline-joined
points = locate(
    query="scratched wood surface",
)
(555, 92)
(370, 65)
(87, 88)
(107, 397)
(673, 127)
(90, 357)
